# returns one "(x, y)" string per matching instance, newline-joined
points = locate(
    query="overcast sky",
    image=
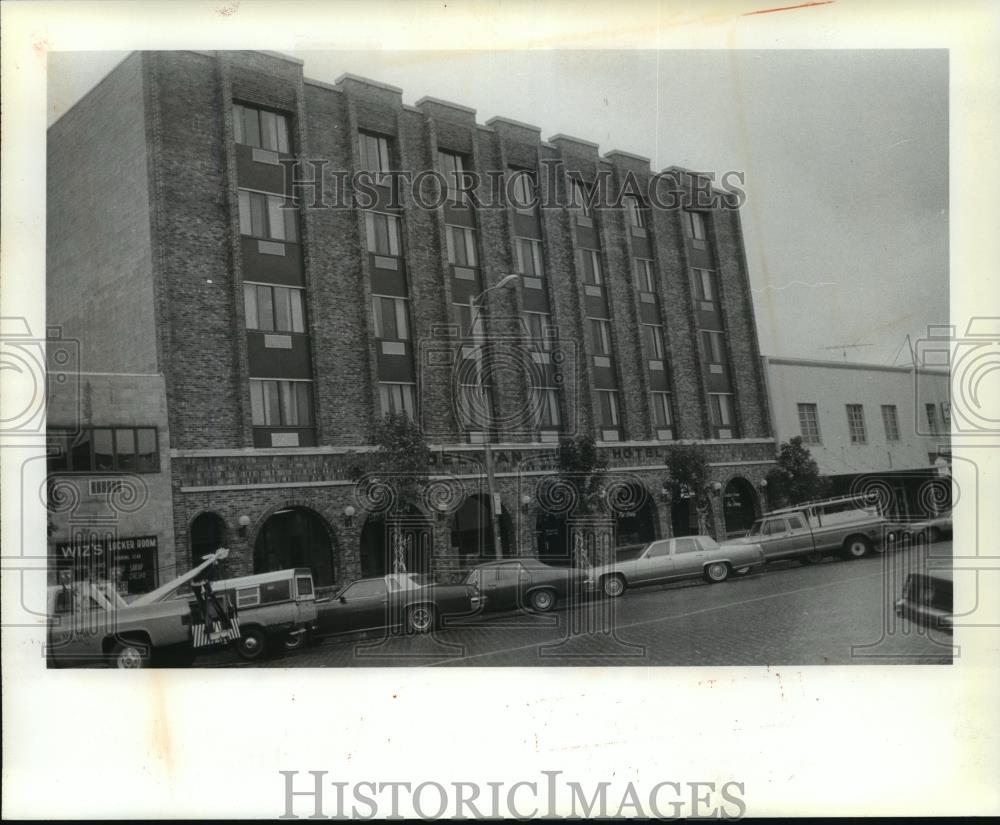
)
(845, 155)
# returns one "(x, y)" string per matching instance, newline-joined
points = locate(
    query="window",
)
(260, 128)
(686, 545)
(461, 244)
(453, 168)
(809, 423)
(662, 416)
(590, 263)
(273, 308)
(694, 225)
(247, 597)
(540, 329)
(390, 318)
(374, 155)
(635, 211)
(272, 592)
(608, 401)
(600, 336)
(365, 590)
(721, 406)
(475, 406)
(104, 449)
(383, 233)
(275, 403)
(775, 527)
(946, 415)
(522, 189)
(304, 584)
(580, 198)
(644, 280)
(856, 423)
(714, 344)
(652, 338)
(545, 405)
(468, 326)
(661, 548)
(529, 257)
(932, 419)
(890, 418)
(267, 216)
(397, 399)
(703, 284)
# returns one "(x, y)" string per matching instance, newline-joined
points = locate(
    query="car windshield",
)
(708, 543)
(755, 529)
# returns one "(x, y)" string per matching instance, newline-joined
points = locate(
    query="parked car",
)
(524, 583)
(678, 558)
(89, 622)
(845, 526)
(931, 529)
(926, 599)
(274, 607)
(412, 601)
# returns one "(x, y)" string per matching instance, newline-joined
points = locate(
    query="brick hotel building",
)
(270, 339)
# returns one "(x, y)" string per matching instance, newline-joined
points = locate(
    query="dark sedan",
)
(408, 600)
(523, 583)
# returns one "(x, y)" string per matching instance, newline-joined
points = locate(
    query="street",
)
(836, 612)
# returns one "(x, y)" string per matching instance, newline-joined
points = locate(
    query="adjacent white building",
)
(868, 425)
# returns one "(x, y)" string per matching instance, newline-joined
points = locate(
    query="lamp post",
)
(506, 281)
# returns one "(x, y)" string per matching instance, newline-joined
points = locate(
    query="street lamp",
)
(506, 281)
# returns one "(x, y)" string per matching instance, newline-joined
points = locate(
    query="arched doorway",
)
(739, 506)
(635, 516)
(396, 543)
(691, 515)
(472, 538)
(208, 534)
(295, 537)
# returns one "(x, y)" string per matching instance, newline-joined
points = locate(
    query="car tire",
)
(131, 655)
(811, 558)
(295, 641)
(716, 572)
(252, 643)
(856, 547)
(542, 601)
(613, 586)
(421, 618)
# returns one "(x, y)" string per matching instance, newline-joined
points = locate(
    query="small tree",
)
(687, 466)
(401, 460)
(581, 467)
(797, 477)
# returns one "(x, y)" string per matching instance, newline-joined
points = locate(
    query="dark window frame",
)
(70, 436)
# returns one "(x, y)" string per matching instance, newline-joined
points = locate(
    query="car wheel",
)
(295, 641)
(613, 586)
(420, 618)
(129, 655)
(856, 547)
(716, 572)
(811, 558)
(542, 601)
(252, 643)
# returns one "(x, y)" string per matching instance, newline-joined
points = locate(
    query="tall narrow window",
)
(461, 243)
(721, 407)
(809, 423)
(522, 189)
(390, 318)
(453, 169)
(634, 210)
(644, 281)
(694, 225)
(856, 423)
(273, 308)
(703, 284)
(281, 403)
(540, 331)
(545, 406)
(397, 399)
(890, 419)
(267, 216)
(932, 419)
(382, 231)
(374, 155)
(608, 401)
(529, 257)
(714, 345)
(590, 263)
(260, 128)
(580, 195)
(600, 336)
(662, 416)
(652, 338)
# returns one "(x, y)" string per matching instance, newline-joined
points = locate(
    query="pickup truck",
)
(90, 623)
(813, 531)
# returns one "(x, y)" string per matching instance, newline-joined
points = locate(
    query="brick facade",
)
(197, 262)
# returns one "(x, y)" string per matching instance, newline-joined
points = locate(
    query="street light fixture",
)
(506, 281)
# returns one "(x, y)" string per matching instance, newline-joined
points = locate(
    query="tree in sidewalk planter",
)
(688, 469)
(399, 471)
(796, 478)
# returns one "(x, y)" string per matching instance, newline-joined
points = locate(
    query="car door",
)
(363, 605)
(509, 586)
(774, 534)
(77, 624)
(687, 556)
(655, 564)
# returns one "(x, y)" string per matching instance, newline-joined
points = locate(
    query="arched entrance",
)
(739, 506)
(691, 515)
(472, 538)
(635, 516)
(208, 534)
(295, 537)
(397, 543)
